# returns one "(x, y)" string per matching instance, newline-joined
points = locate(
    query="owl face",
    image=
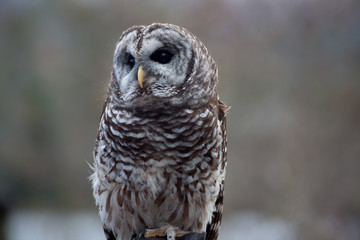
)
(155, 66)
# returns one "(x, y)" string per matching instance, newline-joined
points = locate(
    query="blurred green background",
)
(289, 69)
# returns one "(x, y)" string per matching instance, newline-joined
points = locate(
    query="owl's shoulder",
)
(223, 109)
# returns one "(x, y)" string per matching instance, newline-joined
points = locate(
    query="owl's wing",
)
(212, 229)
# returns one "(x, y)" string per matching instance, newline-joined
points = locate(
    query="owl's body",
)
(160, 153)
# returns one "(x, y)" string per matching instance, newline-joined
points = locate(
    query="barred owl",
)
(160, 153)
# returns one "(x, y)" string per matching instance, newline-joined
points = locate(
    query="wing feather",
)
(212, 229)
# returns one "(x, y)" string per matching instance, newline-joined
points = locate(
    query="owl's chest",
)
(155, 152)
(159, 167)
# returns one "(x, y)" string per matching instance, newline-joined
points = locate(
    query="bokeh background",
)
(289, 69)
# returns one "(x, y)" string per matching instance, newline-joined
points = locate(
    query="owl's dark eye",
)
(130, 61)
(162, 56)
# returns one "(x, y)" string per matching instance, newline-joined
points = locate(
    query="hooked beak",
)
(142, 74)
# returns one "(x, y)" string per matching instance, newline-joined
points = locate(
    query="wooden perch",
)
(189, 236)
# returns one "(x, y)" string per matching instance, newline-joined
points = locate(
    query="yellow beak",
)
(141, 76)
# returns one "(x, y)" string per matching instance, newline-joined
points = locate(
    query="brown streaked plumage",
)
(160, 153)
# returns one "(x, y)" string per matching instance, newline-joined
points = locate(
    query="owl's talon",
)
(133, 237)
(152, 233)
(167, 231)
(142, 235)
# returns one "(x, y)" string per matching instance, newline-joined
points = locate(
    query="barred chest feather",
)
(152, 169)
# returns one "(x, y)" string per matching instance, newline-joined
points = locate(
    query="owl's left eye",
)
(130, 61)
(162, 56)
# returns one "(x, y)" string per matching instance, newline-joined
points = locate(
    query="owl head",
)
(161, 66)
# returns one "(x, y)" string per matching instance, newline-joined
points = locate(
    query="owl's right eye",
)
(162, 56)
(130, 61)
